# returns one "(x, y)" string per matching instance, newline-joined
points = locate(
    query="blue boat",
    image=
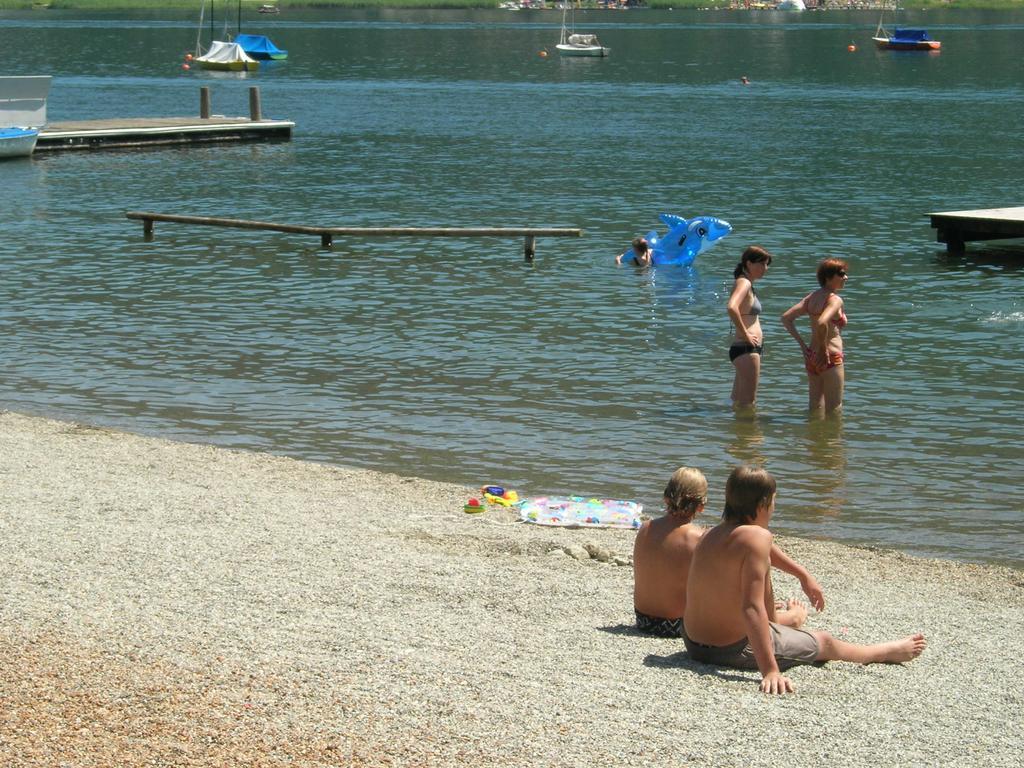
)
(903, 38)
(260, 47)
(906, 39)
(17, 142)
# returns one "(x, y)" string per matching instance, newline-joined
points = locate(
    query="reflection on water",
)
(1001, 257)
(826, 455)
(746, 445)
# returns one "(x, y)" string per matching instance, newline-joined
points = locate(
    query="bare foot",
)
(902, 650)
(793, 614)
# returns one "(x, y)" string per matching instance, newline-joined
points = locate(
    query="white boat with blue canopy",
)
(243, 53)
(22, 113)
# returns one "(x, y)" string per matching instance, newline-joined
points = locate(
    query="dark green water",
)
(454, 360)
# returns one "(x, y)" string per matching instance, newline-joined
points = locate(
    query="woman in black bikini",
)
(744, 311)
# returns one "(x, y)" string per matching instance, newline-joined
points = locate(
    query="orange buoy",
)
(851, 47)
(188, 57)
(543, 54)
(185, 66)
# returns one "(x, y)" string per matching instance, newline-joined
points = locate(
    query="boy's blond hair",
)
(686, 491)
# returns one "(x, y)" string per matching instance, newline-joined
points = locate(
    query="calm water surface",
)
(453, 359)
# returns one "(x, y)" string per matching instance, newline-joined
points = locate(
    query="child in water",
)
(639, 253)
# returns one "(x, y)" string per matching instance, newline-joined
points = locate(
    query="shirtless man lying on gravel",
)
(661, 563)
(727, 619)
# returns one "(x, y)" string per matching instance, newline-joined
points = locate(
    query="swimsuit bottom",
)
(653, 625)
(739, 348)
(834, 359)
(790, 647)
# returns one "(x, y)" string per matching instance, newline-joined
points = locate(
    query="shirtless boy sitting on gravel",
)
(661, 562)
(727, 618)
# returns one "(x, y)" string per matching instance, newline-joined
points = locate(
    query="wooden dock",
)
(327, 234)
(162, 131)
(955, 228)
(157, 131)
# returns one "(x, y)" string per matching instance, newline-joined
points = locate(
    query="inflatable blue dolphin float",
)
(686, 238)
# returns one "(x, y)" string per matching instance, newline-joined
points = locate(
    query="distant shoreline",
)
(305, 5)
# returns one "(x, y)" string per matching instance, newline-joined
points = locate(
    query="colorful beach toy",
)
(580, 512)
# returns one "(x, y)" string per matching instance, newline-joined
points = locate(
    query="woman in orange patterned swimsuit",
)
(823, 356)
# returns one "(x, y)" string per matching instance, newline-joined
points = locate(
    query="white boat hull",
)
(17, 142)
(581, 50)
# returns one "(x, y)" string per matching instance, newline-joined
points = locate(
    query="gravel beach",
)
(168, 604)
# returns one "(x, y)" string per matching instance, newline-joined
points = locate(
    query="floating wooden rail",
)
(327, 234)
(955, 228)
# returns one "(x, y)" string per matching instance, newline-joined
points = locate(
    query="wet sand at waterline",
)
(175, 604)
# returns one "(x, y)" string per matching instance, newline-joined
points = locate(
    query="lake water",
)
(455, 360)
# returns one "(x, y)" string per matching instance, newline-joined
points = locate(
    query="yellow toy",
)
(498, 495)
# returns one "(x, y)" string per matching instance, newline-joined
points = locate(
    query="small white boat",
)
(573, 44)
(791, 5)
(22, 113)
(268, 8)
(17, 142)
(227, 56)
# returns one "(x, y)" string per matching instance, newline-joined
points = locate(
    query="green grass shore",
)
(284, 5)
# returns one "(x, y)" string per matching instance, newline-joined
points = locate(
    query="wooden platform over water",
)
(955, 228)
(157, 131)
(327, 234)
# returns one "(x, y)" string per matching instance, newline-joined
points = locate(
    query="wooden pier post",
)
(955, 243)
(147, 229)
(255, 113)
(530, 247)
(204, 102)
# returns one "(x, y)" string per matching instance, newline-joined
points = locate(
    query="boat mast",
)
(199, 30)
(880, 32)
